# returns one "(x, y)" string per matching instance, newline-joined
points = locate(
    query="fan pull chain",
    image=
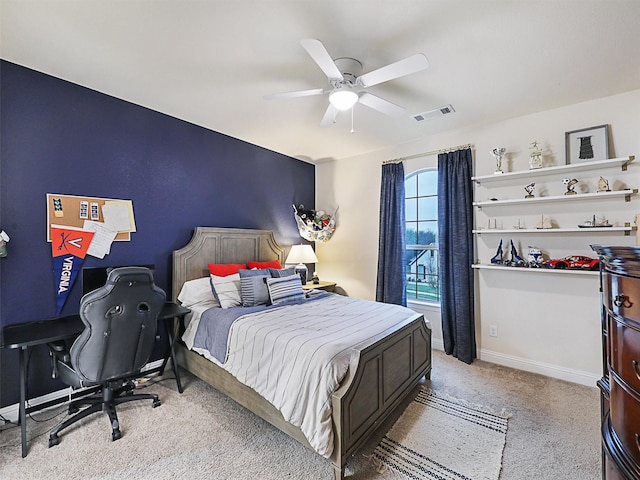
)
(352, 119)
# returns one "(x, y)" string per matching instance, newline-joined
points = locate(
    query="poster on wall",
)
(68, 248)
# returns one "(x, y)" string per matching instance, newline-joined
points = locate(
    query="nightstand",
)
(326, 286)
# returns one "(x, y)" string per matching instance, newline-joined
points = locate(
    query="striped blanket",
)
(296, 356)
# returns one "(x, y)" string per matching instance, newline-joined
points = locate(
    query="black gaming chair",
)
(120, 321)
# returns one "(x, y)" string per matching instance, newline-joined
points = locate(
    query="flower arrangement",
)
(315, 226)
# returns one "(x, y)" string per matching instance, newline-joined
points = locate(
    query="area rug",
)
(445, 438)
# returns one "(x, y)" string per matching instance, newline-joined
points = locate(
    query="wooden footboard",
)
(380, 376)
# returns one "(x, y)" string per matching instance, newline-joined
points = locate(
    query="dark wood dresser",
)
(620, 383)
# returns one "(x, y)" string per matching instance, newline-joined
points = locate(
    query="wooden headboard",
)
(221, 245)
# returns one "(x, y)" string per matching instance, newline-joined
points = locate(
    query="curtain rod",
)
(433, 152)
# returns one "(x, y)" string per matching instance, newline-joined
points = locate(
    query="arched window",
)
(421, 217)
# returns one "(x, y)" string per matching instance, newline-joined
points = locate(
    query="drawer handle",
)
(622, 301)
(635, 368)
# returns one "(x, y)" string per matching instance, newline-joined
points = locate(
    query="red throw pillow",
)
(263, 265)
(225, 269)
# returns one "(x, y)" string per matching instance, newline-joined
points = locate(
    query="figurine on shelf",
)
(535, 158)
(315, 279)
(529, 189)
(603, 185)
(544, 223)
(516, 260)
(593, 224)
(498, 152)
(570, 183)
(497, 258)
(535, 259)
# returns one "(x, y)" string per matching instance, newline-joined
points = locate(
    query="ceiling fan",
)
(347, 82)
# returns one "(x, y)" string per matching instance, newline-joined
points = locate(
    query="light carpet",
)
(441, 437)
(554, 433)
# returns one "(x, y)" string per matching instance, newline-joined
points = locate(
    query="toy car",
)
(574, 262)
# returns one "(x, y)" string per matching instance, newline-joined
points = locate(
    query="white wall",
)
(546, 323)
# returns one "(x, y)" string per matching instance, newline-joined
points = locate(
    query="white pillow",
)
(227, 290)
(197, 292)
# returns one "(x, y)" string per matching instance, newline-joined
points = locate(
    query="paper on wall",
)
(102, 239)
(116, 217)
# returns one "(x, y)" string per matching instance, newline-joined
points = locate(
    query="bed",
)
(381, 371)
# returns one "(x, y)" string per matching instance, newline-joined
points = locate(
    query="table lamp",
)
(301, 254)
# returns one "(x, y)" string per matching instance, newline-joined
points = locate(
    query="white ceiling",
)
(211, 62)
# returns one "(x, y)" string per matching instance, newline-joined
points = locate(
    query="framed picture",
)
(587, 144)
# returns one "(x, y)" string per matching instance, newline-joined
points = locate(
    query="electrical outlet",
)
(493, 330)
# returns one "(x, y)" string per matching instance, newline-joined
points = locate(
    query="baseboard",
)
(12, 412)
(533, 366)
(554, 371)
(437, 344)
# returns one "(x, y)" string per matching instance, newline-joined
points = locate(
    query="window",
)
(421, 217)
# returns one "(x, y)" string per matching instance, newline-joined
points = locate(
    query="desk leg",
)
(170, 328)
(23, 400)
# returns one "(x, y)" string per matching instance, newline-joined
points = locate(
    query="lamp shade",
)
(301, 254)
(343, 99)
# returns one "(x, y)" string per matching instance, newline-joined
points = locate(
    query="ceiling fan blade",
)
(299, 93)
(316, 50)
(409, 65)
(329, 116)
(381, 105)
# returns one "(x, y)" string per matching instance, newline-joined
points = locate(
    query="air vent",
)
(438, 112)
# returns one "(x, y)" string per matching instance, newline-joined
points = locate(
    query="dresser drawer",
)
(624, 351)
(622, 296)
(625, 418)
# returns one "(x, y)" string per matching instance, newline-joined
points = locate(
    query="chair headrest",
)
(130, 274)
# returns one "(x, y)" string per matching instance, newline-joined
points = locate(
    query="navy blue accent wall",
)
(58, 137)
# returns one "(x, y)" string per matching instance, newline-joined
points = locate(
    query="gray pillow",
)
(253, 287)
(282, 272)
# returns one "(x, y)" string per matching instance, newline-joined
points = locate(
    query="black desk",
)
(171, 312)
(25, 335)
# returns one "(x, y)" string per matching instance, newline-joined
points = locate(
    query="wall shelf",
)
(622, 162)
(627, 193)
(570, 235)
(553, 271)
(626, 230)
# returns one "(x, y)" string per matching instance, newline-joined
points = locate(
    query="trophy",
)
(529, 189)
(498, 152)
(570, 183)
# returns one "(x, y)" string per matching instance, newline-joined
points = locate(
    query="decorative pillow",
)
(224, 269)
(197, 292)
(253, 287)
(264, 265)
(227, 290)
(285, 289)
(283, 272)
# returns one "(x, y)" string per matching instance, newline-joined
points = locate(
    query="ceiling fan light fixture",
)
(343, 99)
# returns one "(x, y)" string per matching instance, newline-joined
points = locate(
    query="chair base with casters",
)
(112, 394)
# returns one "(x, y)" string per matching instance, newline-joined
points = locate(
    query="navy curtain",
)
(455, 244)
(391, 284)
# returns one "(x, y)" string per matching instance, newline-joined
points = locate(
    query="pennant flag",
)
(68, 249)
